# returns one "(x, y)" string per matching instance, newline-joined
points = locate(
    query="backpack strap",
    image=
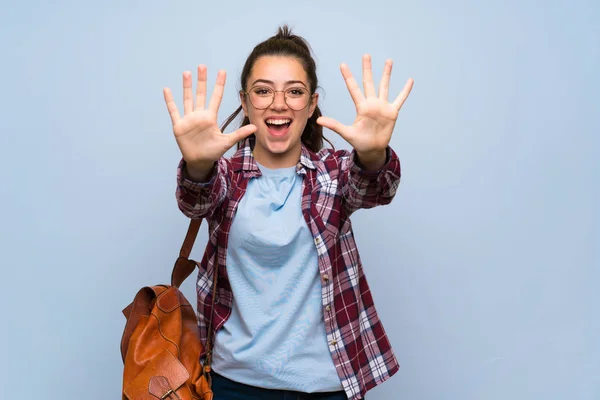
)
(182, 270)
(184, 266)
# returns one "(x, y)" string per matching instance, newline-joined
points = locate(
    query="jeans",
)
(226, 389)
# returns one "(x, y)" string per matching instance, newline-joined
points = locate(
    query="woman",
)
(293, 314)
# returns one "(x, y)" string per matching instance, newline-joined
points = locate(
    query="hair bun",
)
(285, 32)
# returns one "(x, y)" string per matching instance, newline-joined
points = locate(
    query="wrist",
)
(373, 160)
(199, 171)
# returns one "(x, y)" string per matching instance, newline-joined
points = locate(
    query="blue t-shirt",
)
(275, 337)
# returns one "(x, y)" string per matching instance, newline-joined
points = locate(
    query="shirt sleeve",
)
(366, 189)
(201, 199)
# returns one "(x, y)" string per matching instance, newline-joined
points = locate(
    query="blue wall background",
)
(484, 268)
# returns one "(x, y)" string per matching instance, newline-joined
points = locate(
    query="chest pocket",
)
(326, 184)
(329, 189)
(327, 201)
(325, 191)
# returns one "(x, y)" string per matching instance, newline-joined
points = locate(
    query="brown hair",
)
(284, 43)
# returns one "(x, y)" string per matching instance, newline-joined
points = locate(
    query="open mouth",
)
(278, 126)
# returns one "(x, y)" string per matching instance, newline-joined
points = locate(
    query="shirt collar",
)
(243, 160)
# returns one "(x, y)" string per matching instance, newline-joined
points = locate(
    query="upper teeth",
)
(278, 121)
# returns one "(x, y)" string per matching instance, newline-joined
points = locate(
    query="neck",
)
(277, 160)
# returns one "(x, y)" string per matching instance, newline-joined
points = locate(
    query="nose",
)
(279, 101)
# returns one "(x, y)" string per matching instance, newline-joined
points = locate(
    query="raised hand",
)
(372, 129)
(198, 136)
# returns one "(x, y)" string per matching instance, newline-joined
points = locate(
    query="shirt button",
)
(328, 308)
(333, 342)
(325, 277)
(317, 240)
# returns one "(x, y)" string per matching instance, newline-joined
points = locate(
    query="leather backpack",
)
(160, 346)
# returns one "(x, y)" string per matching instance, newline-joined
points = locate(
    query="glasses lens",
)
(261, 97)
(297, 98)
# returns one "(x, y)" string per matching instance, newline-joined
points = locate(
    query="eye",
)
(262, 91)
(296, 92)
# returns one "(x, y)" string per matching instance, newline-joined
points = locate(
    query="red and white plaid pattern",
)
(334, 186)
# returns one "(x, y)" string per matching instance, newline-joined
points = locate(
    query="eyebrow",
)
(273, 83)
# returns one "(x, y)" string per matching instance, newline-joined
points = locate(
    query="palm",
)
(199, 137)
(197, 133)
(375, 116)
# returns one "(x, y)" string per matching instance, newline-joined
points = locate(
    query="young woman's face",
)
(279, 122)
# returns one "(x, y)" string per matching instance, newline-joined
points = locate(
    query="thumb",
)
(335, 126)
(243, 132)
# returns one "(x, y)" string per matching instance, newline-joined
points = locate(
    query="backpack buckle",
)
(168, 394)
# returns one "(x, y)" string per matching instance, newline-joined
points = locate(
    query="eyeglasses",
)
(261, 97)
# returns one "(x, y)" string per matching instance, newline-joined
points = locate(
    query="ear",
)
(243, 101)
(313, 103)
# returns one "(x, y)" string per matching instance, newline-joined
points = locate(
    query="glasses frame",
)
(247, 93)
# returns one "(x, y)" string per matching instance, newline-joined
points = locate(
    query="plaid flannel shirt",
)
(334, 186)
